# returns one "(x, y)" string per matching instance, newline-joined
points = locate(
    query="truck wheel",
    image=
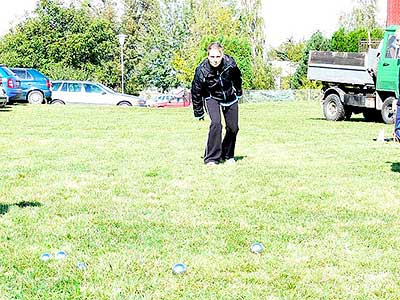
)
(388, 111)
(333, 108)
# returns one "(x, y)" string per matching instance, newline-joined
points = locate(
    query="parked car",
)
(86, 92)
(10, 83)
(168, 101)
(36, 87)
(3, 97)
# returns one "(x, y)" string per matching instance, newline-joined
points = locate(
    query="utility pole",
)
(121, 40)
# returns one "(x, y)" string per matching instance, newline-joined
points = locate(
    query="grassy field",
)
(126, 192)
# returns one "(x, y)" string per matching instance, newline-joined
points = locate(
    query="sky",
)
(299, 19)
(284, 19)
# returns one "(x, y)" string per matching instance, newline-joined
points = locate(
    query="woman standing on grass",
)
(217, 85)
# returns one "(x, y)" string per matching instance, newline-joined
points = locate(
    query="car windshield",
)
(107, 88)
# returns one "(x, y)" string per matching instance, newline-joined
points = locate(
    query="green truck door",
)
(388, 66)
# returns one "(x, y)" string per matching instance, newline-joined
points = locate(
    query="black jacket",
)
(223, 83)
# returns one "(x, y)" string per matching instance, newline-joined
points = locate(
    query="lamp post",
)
(121, 40)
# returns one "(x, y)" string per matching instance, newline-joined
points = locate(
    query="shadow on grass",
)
(237, 158)
(352, 120)
(19, 103)
(396, 167)
(317, 119)
(6, 108)
(361, 120)
(5, 207)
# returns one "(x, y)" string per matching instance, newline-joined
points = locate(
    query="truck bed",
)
(342, 67)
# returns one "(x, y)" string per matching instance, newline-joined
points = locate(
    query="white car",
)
(3, 97)
(87, 92)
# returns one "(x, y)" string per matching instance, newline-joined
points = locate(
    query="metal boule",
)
(179, 268)
(257, 248)
(60, 255)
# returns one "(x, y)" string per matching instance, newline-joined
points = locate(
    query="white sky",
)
(301, 18)
(13, 11)
(284, 19)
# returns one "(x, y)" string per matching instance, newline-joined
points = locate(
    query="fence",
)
(252, 96)
(364, 45)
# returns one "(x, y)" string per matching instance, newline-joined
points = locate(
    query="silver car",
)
(3, 97)
(87, 92)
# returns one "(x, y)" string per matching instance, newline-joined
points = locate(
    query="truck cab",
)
(387, 78)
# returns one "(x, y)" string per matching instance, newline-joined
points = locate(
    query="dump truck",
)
(364, 82)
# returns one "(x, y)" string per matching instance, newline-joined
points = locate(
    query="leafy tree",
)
(263, 75)
(204, 19)
(165, 40)
(237, 25)
(252, 25)
(63, 42)
(106, 9)
(363, 15)
(316, 42)
(343, 41)
(289, 50)
(150, 45)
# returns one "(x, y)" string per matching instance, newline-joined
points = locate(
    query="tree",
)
(150, 45)
(228, 22)
(204, 19)
(252, 25)
(363, 15)
(343, 41)
(164, 45)
(63, 42)
(289, 51)
(316, 42)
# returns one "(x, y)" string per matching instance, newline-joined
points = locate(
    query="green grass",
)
(125, 191)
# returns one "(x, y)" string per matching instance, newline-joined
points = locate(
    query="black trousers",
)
(217, 148)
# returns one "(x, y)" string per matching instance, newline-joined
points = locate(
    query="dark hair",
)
(215, 45)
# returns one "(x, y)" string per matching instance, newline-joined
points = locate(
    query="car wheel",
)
(58, 102)
(124, 103)
(35, 97)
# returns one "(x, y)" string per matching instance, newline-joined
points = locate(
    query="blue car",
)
(11, 83)
(36, 87)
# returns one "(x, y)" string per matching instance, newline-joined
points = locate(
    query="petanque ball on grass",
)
(81, 266)
(257, 248)
(45, 256)
(179, 268)
(60, 255)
